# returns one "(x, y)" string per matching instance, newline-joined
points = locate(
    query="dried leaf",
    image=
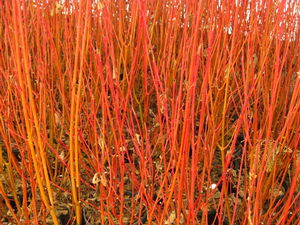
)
(96, 179)
(103, 180)
(171, 218)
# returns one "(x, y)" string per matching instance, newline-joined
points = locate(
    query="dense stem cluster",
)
(149, 112)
